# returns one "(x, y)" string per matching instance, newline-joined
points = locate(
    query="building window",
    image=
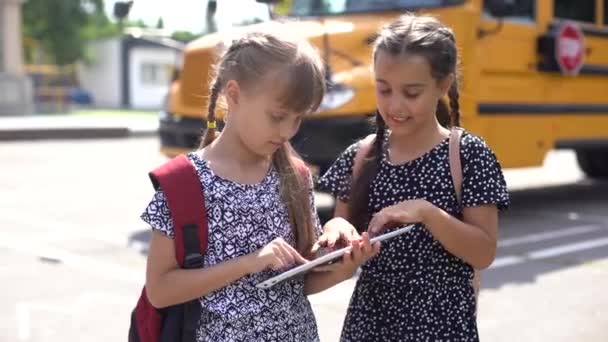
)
(155, 73)
(520, 10)
(579, 10)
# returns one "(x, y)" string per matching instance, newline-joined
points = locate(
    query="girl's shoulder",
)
(197, 159)
(472, 145)
(360, 146)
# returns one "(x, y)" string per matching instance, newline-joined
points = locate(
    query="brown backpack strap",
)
(455, 164)
(454, 156)
(456, 171)
(364, 146)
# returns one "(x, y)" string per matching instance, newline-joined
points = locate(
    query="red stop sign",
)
(570, 48)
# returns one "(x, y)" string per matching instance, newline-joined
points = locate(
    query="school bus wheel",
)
(593, 162)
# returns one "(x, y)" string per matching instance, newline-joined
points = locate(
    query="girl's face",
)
(258, 118)
(406, 92)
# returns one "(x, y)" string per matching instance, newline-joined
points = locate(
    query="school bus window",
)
(605, 12)
(579, 10)
(337, 7)
(520, 9)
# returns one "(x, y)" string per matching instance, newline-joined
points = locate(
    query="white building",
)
(15, 87)
(129, 72)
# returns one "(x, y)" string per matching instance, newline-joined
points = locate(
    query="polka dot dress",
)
(415, 290)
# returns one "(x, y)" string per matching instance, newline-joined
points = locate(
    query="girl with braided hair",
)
(260, 207)
(419, 287)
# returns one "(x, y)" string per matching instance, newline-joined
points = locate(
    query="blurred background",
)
(96, 93)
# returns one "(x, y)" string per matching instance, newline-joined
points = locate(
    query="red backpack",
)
(182, 187)
(181, 184)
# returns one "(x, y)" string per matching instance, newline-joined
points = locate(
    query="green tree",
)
(61, 29)
(184, 36)
(160, 24)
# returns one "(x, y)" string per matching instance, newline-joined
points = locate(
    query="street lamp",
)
(121, 11)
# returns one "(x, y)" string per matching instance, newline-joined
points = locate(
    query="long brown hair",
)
(411, 34)
(248, 60)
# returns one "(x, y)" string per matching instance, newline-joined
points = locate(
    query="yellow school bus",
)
(534, 76)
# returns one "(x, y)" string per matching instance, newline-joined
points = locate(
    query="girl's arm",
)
(473, 239)
(167, 284)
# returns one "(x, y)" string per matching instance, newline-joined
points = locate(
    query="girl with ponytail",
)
(259, 201)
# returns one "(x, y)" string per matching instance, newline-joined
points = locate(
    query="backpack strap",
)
(454, 156)
(364, 146)
(181, 184)
(455, 164)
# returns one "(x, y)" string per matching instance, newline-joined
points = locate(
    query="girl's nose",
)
(396, 107)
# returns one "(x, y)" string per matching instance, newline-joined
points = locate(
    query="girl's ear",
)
(232, 93)
(445, 84)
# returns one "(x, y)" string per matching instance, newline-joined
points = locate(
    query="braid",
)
(358, 203)
(454, 104)
(237, 44)
(380, 135)
(211, 131)
(443, 113)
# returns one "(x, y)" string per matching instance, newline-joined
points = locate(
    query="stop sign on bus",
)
(570, 48)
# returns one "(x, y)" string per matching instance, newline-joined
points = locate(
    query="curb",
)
(62, 129)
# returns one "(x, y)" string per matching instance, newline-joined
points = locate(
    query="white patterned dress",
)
(415, 290)
(242, 219)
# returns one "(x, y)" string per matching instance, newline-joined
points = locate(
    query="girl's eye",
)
(384, 91)
(411, 95)
(277, 117)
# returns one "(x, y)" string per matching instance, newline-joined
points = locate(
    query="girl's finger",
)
(288, 256)
(315, 248)
(332, 238)
(277, 263)
(347, 258)
(297, 257)
(376, 224)
(366, 245)
(356, 252)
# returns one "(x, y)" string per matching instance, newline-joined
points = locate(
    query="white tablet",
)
(329, 257)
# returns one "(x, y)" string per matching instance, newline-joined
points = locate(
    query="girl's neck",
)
(403, 148)
(229, 150)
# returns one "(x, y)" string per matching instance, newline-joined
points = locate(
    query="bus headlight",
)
(337, 96)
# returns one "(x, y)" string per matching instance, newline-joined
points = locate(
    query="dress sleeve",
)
(337, 179)
(158, 216)
(483, 181)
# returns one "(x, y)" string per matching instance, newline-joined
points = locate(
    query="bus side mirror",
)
(500, 8)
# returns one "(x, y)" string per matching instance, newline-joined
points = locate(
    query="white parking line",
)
(569, 248)
(546, 253)
(552, 234)
(507, 261)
